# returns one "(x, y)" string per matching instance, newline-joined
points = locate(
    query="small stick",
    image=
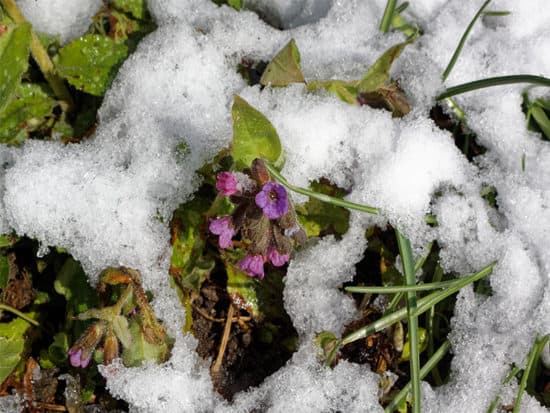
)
(225, 338)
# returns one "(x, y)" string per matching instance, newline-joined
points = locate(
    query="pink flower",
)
(253, 265)
(227, 183)
(276, 258)
(75, 357)
(273, 200)
(224, 228)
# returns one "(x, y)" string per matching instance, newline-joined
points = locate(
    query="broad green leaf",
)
(12, 345)
(236, 4)
(284, 68)
(242, 290)
(14, 59)
(71, 281)
(29, 110)
(7, 240)
(318, 217)
(122, 331)
(253, 136)
(57, 351)
(540, 116)
(140, 349)
(4, 271)
(90, 63)
(346, 91)
(379, 73)
(137, 8)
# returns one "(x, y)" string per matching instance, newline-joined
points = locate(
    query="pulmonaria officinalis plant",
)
(263, 216)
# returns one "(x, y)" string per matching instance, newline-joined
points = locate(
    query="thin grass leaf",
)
(493, 81)
(496, 13)
(392, 289)
(534, 356)
(460, 45)
(495, 401)
(388, 14)
(426, 368)
(405, 250)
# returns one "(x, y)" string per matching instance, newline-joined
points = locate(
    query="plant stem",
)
(423, 305)
(460, 45)
(322, 197)
(493, 81)
(400, 288)
(407, 259)
(533, 356)
(388, 14)
(41, 57)
(225, 338)
(426, 368)
(19, 314)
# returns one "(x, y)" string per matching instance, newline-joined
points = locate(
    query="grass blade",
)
(388, 14)
(400, 288)
(493, 81)
(426, 368)
(407, 259)
(460, 45)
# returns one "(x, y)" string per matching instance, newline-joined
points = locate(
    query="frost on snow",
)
(108, 200)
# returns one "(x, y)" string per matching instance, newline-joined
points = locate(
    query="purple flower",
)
(224, 228)
(276, 258)
(75, 357)
(273, 200)
(227, 183)
(253, 265)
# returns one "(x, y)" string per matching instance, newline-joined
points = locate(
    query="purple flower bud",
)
(227, 183)
(276, 258)
(253, 265)
(273, 200)
(224, 228)
(75, 357)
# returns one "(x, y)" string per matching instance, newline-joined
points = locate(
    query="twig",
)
(225, 338)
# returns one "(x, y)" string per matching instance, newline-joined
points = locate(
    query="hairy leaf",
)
(14, 59)
(284, 68)
(379, 73)
(12, 345)
(140, 349)
(90, 63)
(253, 136)
(242, 289)
(28, 111)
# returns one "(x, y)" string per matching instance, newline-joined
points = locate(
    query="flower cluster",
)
(263, 216)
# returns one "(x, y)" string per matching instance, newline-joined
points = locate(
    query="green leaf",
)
(318, 217)
(236, 4)
(140, 349)
(137, 8)
(12, 345)
(346, 91)
(284, 68)
(379, 73)
(28, 111)
(57, 351)
(422, 344)
(7, 240)
(90, 63)
(120, 327)
(14, 59)
(4, 271)
(253, 136)
(242, 289)
(71, 281)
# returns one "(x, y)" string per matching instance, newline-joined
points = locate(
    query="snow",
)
(68, 19)
(108, 200)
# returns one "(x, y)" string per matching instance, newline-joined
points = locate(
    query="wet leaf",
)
(28, 111)
(284, 68)
(14, 59)
(90, 63)
(346, 91)
(379, 73)
(253, 136)
(140, 349)
(72, 283)
(242, 290)
(4, 272)
(12, 345)
(137, 8)
(318, 217)
(422, 344)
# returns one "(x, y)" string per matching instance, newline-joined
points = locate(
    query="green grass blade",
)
(407, 260)
(493, 81)
(542, 120)
(322, 197)
(460, 45)
(534, 355)
(423, 305)
(5, 307)
(400, 288)
(497, 13)
(388, 14)
(426, 368)
(514, 372)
